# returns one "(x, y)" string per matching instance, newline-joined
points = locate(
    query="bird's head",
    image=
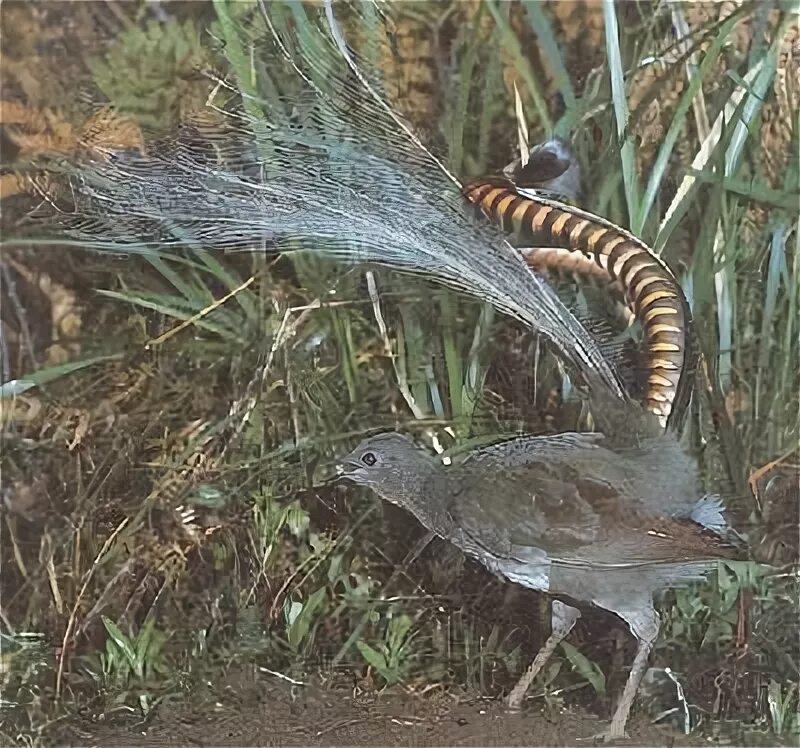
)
(392, 466)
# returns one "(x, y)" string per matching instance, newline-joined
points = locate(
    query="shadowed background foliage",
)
(163, 415)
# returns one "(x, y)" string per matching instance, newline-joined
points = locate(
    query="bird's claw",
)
(513, 702)
(610, 736)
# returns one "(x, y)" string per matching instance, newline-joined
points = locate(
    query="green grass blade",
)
(752, 106)
(775, 269)
(685, 193)
(475, 372)
(16, 387)
(510, 43)
(678, 124)
(452, 359)
(457, 104)
(240, 61)
(621, 113)
(551, 53)
(171, 307)
(491, 107)
(724, 285)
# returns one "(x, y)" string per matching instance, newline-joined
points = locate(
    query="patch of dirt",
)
(251, 709)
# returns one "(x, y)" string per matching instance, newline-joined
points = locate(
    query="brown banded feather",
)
(562, 263)
(647, 279)
(659, 311)
(559, 223)
(562, 239)
(494, 199)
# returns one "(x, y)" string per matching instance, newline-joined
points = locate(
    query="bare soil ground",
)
(248, 710)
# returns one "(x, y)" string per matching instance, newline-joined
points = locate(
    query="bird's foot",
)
(614, 734)
(513, 702)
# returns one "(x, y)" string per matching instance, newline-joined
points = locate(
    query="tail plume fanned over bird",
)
(332, 170)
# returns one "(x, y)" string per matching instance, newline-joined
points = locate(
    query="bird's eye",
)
(369, 459)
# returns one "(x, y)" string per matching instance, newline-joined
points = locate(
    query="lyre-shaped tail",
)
(321, 164)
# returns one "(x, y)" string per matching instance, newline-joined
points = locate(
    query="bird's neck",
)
(423, 491)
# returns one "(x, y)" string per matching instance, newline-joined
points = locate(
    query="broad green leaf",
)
(302, 623)
(586, 668)
(122, 641)
(373, 658)
(143, 641)
(50, 374)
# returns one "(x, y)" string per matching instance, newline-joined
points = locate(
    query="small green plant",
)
(132, 664)
(784, 708)
(392, 656)
(132, 658)
(463, 643)
(707, 614)
(300, 617)
(585, 668)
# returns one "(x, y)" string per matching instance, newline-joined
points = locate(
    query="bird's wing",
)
(516, 512)
(651, 474)
(578, 502)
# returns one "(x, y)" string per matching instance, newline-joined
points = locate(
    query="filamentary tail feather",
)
(327, 168)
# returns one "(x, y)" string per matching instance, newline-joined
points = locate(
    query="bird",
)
(574, 515)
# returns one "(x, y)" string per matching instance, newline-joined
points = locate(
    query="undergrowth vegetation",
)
(163, 515)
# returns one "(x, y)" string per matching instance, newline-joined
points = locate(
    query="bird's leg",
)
(562, 619)
(617, 729)
(646, 630)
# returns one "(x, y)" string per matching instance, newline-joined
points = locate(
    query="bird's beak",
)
(348, 468)
(344, 469)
